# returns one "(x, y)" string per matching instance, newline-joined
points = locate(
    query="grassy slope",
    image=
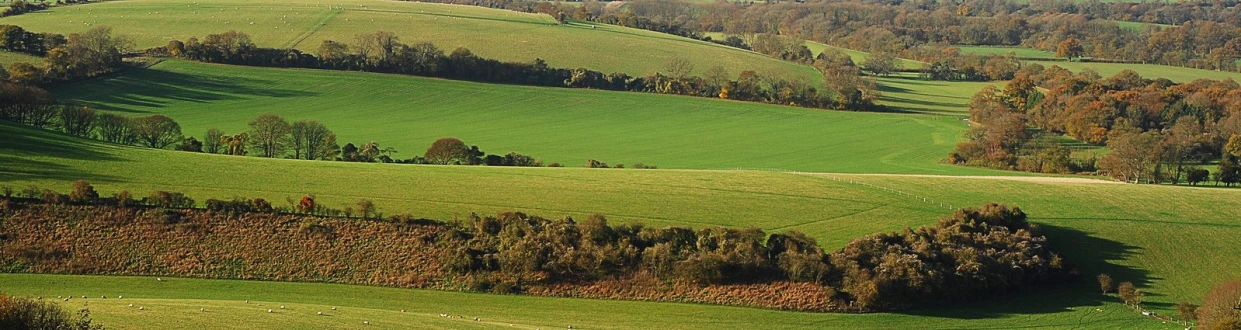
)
(559, 125)
(1137, 233)
(859, 57)
(492, 33)
(10, 57)
(175, 303)
(1177, 74)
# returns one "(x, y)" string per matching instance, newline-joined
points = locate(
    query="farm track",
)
(330, 15)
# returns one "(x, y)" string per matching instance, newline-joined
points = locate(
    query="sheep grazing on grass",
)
(83, 297)
(281, 306)
(269, 310)
(333, 308)
(366, 322)
(202, 309)
(103, 297)
(131, 305)
(119, 297)
(402, 311)
(320, 313)
(159, 279)
(477, 319)
(141, 308)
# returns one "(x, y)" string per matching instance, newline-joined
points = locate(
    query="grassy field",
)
(560, 125)
(1137, 233)
(1017, 51)
(858, 56)
(1177, 74)
(175, 303)
(10, 57)
(907, 92)
(492, 33)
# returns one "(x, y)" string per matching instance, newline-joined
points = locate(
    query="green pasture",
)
(492, 33)
(1017, 51)
(1153, 235)
(859, 57)
(557, 124)
(220, 304)
(10, 57)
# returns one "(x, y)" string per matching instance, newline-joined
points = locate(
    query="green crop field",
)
(905, 91)
(560, 125)
(304, 24)
(1135, 232)
(1017, 51)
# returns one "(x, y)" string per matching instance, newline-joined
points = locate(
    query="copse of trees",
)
(1157, 130)
(80, 55)
(384, 52)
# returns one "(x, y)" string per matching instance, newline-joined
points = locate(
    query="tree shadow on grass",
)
(1088, 254)
(24, 148)
(157, 88)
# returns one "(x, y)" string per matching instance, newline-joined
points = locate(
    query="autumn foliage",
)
(512, 253)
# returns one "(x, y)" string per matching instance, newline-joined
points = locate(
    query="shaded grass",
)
(559, 125)
(492, 33)
(10, 57)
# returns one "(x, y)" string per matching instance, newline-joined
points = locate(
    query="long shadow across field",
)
(1087, 254)
(157, 88)
(24, 143)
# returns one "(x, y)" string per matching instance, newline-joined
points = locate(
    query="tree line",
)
(1202, 35)
(385, 52)
(972, 254)
(65, 58)
(1157, 130)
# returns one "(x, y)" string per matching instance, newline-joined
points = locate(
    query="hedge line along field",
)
(176, 302)
(1137, 233)
(491, 33)
(559, 125)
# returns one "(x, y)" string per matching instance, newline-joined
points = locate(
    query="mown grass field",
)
(492, 33)
(559, 125)
(176, 303)
(859, 57)
(1137, 233)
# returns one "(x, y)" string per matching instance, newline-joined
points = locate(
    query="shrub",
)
(83, 192)
(124, 199)
(169, 199)
(591, 163)
(24, 313)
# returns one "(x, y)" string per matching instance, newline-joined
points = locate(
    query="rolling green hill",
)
(1135, 232)
(492, 33)
(560, 125)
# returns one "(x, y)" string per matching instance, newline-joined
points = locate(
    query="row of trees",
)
(1156, 130)
(943, 263)
(384, 52)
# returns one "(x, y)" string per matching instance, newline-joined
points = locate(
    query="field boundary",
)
(920, 198)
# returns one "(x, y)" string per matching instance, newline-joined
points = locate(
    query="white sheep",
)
(269, 310)
(366, 322)
(202, 309)
(333, 308)
(281, 306)
(131, 305)
(320, 313)
(141, 308)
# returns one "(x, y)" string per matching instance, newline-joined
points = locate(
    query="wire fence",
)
(898, 192)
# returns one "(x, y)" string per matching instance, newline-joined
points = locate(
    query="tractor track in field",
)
(318, 26)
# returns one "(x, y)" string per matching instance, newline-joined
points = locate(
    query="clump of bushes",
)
(26, 313)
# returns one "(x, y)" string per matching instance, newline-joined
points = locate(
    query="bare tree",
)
(269, 133)
(679, 67)
(157, 131)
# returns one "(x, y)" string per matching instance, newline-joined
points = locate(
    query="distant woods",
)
(1157, 130)
(1190, 34)
(385, 52)
(970, 255)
